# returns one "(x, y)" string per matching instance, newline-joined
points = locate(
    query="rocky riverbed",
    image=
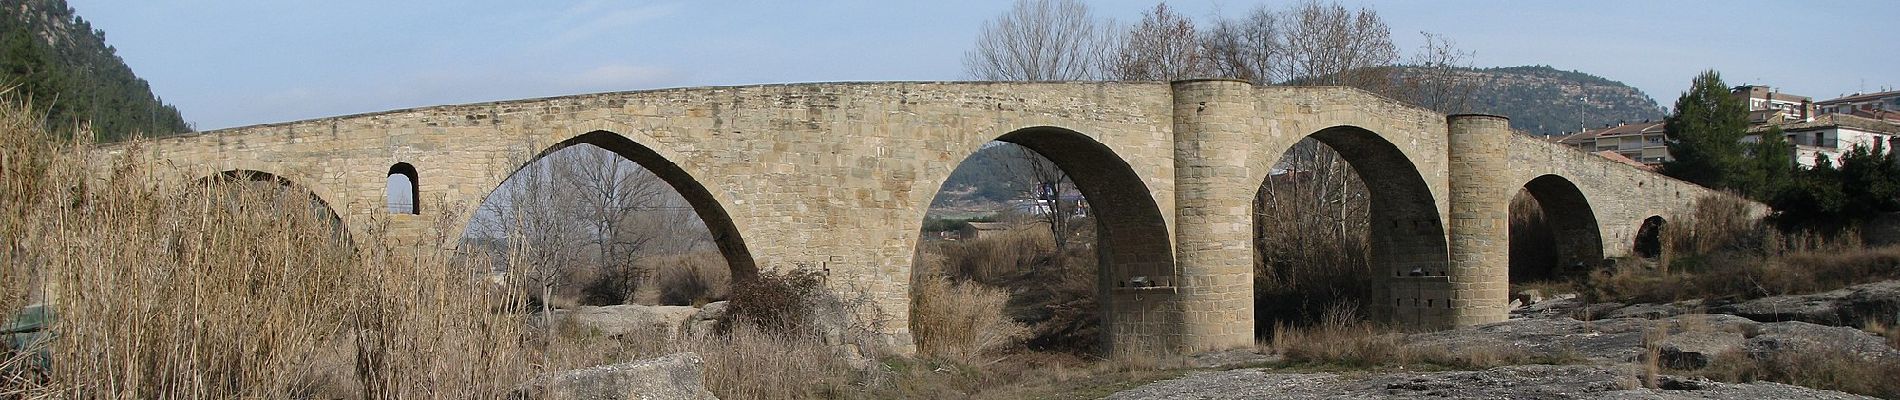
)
(1607, 347)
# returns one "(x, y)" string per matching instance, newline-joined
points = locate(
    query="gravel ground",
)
(1512, 382)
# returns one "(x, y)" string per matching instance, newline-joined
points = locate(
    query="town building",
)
(1879, 106)
(1643, 142)
(1769, 106)
(1832, 135)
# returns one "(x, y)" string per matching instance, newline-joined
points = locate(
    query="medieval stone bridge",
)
(839, 175)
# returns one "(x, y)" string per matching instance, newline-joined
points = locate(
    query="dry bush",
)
(1311, 234)
(1340, 338)
(961, 320)
(690, 279)
(1721, 252)
(776, 301)
(995, 259)
(1828, 369)
(1344, 339)
(1056, 300)
(237, 288)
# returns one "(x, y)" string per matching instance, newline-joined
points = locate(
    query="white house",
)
(1831, 135)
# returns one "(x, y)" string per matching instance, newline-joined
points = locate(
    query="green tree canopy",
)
(1705, 135)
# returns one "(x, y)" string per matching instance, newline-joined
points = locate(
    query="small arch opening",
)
(1649, 238)
(403, 192)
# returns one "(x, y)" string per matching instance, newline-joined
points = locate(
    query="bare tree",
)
(1436, 77)
(525, 228)
(1045, 183)
(1245, 48)
(585, 211)
(1311, 43)
(1328, 44)
(1037, 40)
(1163, 47)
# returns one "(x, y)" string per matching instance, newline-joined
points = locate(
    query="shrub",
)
(691, 279)
(775, 301)
(961, 320)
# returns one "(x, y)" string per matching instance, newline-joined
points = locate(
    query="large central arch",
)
(1406, 238)
(725, 234)
(1133, 247)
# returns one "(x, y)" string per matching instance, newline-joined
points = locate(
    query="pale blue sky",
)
(233, 63)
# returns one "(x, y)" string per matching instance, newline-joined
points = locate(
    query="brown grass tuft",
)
(961, 321)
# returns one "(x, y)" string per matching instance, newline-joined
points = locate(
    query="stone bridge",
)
(839, 175)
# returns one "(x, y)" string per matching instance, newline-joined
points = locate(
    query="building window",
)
(403, 191)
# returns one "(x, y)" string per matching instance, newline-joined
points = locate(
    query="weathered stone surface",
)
(675, 376)
(1873, 302)
(1512, 382)
(662, 321)
(705, 321)
(778, 172)
(1656, 311)
(1819, 308)
(1611, 341)
(1602, 341)
(1853, 306)
(1696, 349)
(1772, 340)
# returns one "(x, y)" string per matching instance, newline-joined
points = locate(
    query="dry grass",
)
(1719, 252)
(992, 259)
(688, 279)
(1825, 369)
(961, 321)
(1342, 339)
(235, 288)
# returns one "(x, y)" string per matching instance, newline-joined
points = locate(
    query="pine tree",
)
(1771, 165)
(1705, 134)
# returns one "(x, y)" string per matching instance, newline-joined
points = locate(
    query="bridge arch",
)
(1407, 248)
(1133, 247)
(1575, 240)
(711, 211)
(1649, 238)
(316, 200)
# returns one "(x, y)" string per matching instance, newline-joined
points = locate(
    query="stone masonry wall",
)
(838, 176)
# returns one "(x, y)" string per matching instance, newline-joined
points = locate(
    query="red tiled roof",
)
(1619, 157)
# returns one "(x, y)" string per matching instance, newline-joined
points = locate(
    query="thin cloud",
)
(618, 77)
(595, 18)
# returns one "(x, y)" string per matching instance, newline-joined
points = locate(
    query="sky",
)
(235, 63)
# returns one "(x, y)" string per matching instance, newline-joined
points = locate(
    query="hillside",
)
(56, 59)
(1547, 101)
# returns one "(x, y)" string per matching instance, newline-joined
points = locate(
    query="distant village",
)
(1826, 129)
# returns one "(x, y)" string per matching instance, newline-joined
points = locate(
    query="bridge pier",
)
(1477, 151)
(1213, 197)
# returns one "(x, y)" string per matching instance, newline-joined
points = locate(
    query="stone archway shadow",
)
(1406, 236)
(724, 232)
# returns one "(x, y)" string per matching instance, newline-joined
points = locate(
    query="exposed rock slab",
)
(1853, 306)
(1512, 382)
(675, 376)
(666, 321)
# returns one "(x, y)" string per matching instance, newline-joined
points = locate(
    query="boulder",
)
(1820, 308)
(706, 321)
(1772, 340)
(1873, 303)
(625, 319)
(1655, 311)
(1696, 349)
(1854, 306)
(675, 376)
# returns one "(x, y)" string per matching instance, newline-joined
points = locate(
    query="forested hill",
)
(52, 56)
(1548, 101)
